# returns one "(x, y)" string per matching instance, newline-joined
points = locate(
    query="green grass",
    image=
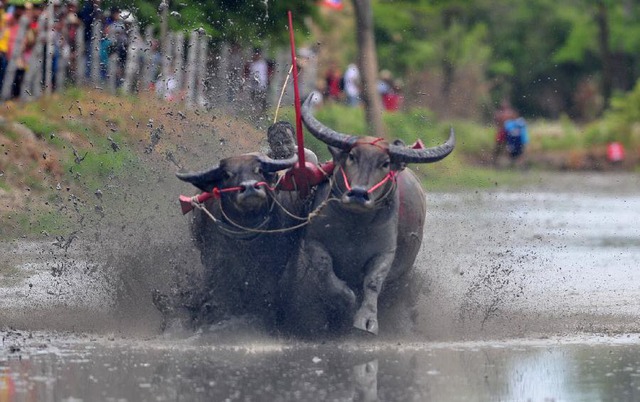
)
(33, 222)
(40, 127)
(99, 165)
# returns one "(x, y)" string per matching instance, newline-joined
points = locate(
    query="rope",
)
(284, 86)
(257, 229)
(390, 176)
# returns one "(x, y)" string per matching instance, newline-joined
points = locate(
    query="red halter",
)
(389, 176)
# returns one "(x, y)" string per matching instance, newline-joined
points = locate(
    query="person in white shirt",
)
(352, 85)
(259, 80)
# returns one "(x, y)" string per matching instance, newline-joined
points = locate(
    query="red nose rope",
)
(187, 203)
(391, 176)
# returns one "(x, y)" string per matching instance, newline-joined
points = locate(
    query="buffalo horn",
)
(399, 153)
(205, 180)
(323, 133)
(273, 165)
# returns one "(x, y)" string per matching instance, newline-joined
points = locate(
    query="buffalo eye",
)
(385, 164)
(351, 158)
(257, 170)
(227, 175)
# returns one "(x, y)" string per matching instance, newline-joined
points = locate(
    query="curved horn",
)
(323, 133)
(205, 180)
(404, 154)
(273, 165)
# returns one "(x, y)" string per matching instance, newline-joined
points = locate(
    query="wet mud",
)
(527, 294)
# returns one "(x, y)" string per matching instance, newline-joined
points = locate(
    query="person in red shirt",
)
(333, 89)
(504, 113)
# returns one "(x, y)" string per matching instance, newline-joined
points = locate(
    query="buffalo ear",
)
(335, 152)
(205, 180)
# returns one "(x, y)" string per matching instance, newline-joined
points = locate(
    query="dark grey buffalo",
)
(366, 234)
(245, 236)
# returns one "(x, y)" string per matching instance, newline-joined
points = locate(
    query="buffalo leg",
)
(315, 299)
(366, 317)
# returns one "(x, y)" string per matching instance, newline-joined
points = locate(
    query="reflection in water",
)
(562, 369)
(366, 381)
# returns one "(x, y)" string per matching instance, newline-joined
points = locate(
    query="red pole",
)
(296, 94)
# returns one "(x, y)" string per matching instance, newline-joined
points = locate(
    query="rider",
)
(282, 145)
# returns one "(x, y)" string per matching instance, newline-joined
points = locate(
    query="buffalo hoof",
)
(366, 321)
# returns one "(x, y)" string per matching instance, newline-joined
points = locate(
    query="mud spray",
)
(493, 263)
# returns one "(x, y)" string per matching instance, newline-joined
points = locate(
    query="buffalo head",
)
(366, 166)
(243, 181)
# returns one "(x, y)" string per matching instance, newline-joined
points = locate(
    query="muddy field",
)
(529, 294)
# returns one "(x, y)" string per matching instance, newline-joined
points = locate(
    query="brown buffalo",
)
(366, 237)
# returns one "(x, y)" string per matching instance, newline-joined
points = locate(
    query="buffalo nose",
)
(358, 193)
(249, 185)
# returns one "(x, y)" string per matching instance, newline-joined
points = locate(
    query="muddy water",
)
(528, 295)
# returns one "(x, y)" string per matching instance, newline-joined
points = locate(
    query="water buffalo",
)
(366, 235)
(243, 235)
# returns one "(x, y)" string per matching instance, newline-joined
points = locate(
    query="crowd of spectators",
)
(347, 87)
(32, 33)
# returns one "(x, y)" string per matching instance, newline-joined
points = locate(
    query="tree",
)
(368, 64)
(245, 22)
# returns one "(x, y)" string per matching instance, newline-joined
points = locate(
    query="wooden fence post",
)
(96, 39)
(167, 62)
(81, 58)
(190, 76)
(112, 73)
(178, 62)
(201, 76)
(132, 66)
(49, 36)
(148, 68)
(222, 73)
(31, 83)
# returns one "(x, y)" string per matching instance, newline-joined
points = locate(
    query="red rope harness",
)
(217, 192)
(389, 176)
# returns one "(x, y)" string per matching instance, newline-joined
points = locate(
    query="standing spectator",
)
(390, 91)
(392, 100)
(120, 42)
(5, 28)
(333, 83)
(385, 83)
(90, 14)
(72, 23)
(258, 80)
(517, 137)
(28, 42)
(504, 113)
(352, 85)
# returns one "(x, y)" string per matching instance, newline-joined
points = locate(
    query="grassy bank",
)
(65, 156)
(76, 155)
